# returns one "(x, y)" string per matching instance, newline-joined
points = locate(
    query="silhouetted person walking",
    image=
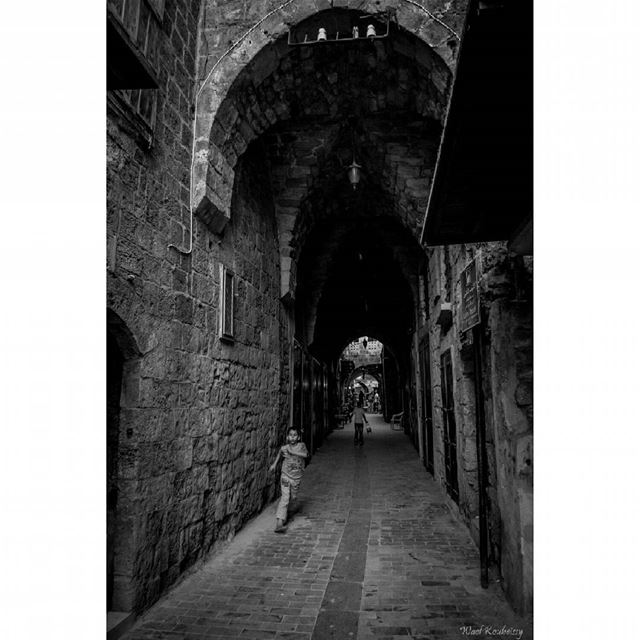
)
(359, 418)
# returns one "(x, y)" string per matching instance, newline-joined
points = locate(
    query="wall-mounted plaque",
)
(470, 299)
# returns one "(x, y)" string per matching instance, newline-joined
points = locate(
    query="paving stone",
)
(417, 567)
(344, 596)
(336, 624)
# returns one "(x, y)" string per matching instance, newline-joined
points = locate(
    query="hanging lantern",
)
(354, 173)
(371, 31)
(322, 34)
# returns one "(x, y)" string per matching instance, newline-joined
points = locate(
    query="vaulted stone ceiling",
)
(311, 109)
(348, 250)
(356, 276)
(308, 165)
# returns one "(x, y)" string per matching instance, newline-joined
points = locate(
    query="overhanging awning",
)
(483, 182)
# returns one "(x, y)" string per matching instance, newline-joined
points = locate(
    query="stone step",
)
(118, 623)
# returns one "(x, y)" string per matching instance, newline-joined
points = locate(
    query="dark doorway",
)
(427, 407)
(115, 362)
(296, 382)
(122, 373)
(449, 426)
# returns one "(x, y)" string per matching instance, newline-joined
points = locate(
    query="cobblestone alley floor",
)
(374, 553)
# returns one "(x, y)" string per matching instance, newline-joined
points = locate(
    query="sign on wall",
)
(470, 298)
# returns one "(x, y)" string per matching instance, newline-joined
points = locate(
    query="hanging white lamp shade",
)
(354, 173)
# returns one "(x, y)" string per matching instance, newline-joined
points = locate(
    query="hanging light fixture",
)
(341, 27)
(354, 173)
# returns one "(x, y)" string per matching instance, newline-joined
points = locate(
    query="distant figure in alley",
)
(359, 418)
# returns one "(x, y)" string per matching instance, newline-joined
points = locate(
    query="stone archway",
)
(122, 371)
(364, 253)
(364, 372)
(261, 88)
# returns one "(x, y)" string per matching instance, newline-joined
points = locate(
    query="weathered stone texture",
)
(505, 296)
(201, 419)
(511, 355)
(198, 423)
(253, 82)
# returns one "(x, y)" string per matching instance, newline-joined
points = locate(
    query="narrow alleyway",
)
(374, 552)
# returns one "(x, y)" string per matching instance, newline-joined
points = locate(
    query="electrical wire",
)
(195, 120)
(433, 17)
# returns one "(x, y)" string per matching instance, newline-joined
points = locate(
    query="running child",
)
(294, 454)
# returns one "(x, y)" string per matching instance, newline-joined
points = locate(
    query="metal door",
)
(449, 426)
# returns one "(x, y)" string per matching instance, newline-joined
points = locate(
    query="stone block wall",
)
(445, 266)
(198, 425)
(148, 208)
(507, 296)
(507, 353)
